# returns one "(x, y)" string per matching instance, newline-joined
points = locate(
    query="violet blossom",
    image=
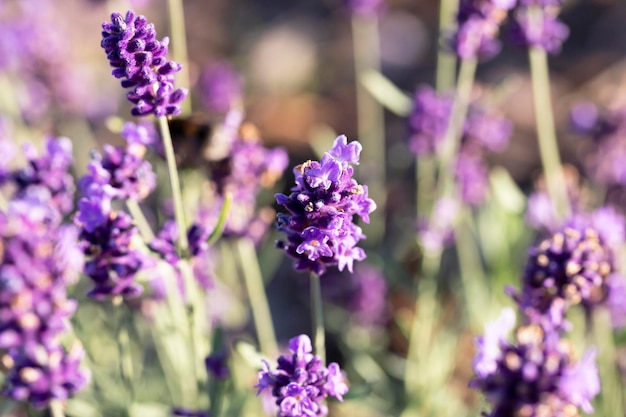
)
(534, 374)
(301, 382)
(319, 227)
(141, 61)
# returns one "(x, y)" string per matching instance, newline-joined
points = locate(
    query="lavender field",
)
(374, 208)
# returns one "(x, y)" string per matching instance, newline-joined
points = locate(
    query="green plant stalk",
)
(446, 60)
(425, 179)
(370, 121)
(221, 221)
(179, 213)
(471, 270)
(199, 345)
(546, 132)
(454, 131)
(56, 408)
(124, 352)
(317, 317)
(176, 14)
(140, 220)
(612, 393)
(249, 264)
(425, 317)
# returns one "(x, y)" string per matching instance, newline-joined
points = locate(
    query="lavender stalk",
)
(176, 15)
(317, 317)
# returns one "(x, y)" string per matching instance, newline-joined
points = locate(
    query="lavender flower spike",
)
(319, 227)
(533, 375)
(301, 382)
(141, 61)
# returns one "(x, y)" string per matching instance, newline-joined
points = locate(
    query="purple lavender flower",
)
(201, 254)
(216, 364)
(49, 171)
(43, 374)
(570, 267)
(479, 24)
(363, 294)
(183, 412)
(34, 307)
(437, 232)
(247, 168)
(319, 227)
(428, 120)
(112, 260)
(221, 87)
(123, 169)
(366, 8)
(301, 382)
(549, 33)
(141, 60)
(484, 130)
(533, 375)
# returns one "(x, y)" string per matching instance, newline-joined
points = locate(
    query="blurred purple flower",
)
(319, 227)
(43, 374)
(570, 267)
(141, 61)
(301, 382)
(362, 293)
(437, 232)
(216, 364)
(484, 130)
(366, 8)
(49, 170)
(533, 375)
(34, 307)
(478, 25)
(112, 261)
(220, 87)
(548, 34)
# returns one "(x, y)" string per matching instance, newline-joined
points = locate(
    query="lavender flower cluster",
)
(484, 131)
(534, 24)
(108, 235)
(301, 381)
(319, 227)
(534, 374)
(141, 60)
(38, 260)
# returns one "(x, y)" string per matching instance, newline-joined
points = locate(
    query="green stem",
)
(195, 317)
(446, 61)
(425, 317)
(249, 264)
(56, 408)
(221, 221)
(179, 214)
(370, 120)
(317, 316)
(176, 15)
(124, 352)
(612, 384)
(471, 270)
(546, 132)
(452, 138)
(140, 220)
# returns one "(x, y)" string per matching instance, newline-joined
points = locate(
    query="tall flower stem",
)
(470, 269)
(140, 220)
(317, 316)
(249, 264)
(56, 408)
(424, 320)
(176, 14)
(179, 213)
(446, 60)
(546, 132)
(612, 383)
(452, 138)
(370, 120)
